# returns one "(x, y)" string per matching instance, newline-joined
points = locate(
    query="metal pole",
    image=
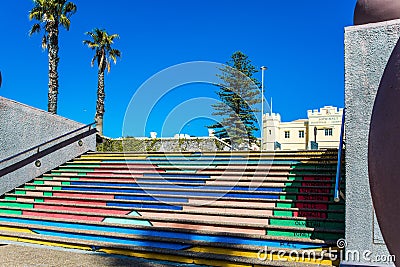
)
(263, 68)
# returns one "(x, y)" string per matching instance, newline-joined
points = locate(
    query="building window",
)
(287, 134)
(301, 134)
(328, 132)
(270, 132)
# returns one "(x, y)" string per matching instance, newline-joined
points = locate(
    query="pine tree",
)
(239, 93)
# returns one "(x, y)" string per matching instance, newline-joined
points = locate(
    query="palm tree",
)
(51, 14)
(101, 43)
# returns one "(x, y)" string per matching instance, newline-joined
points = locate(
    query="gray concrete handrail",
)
(46, 151)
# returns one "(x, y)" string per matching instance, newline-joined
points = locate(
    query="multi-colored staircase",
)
(197, 209)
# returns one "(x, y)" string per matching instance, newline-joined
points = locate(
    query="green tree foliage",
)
(51, 14)
(239, 93)
(101, 44)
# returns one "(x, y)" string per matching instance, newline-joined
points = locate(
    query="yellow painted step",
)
(255, 255)
(44, 243)
(174, 258)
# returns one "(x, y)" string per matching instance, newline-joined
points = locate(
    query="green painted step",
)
(308, 235)
(13, 212)
(307, 223)
(29, 187)
(16, 205)
(283, 213)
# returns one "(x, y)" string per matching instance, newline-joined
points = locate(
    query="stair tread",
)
(216, 183)
(192, 254)
(192, 221)
(121, 227)
(105, 201)
(281, 178)
(229, 198)
(184, 204)
(177, 212)
(177, 188)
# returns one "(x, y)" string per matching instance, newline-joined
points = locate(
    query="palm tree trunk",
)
(100, 101)
(52, 29)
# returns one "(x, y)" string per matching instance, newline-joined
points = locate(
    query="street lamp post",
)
(263, 68)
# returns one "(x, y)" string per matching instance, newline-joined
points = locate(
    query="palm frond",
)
(90, 44)
(35, 29)
(101, 43)
(53, 10)
(114, 53)
(69, 9)
(65, 22)
(114, 36)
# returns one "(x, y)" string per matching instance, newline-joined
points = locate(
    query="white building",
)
(321, 127)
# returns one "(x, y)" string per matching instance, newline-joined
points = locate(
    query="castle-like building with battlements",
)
(320, 130)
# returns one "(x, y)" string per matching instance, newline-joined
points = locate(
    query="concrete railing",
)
(33, 142)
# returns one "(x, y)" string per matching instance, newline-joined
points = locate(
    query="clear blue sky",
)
(301, 42)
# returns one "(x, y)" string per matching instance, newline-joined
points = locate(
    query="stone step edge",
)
(203, 169)
(167, 229)
(193, 175)
(192, 212)
(219, 154)
(206, 198)
(180, 204)
(194, 255)
(162, 239)
(177, 220)
(190, 190)
(332, 151)
(279, 178)
(170, 164)
(148, 190)
(259, 184)
(143, 237)
(306, 153)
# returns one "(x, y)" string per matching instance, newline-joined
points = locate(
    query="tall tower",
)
(271, 130)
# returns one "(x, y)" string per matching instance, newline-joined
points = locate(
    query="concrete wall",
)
(367, 50)
(192, 144)
(23, 127)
